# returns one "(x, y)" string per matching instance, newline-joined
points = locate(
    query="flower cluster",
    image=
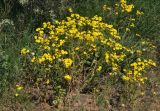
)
(125, 7)
(56, 40)
(67, 62)
(24, 51)
(69, 43)
(139, 13)
(18, 90)
(67, 77)
(137, 68)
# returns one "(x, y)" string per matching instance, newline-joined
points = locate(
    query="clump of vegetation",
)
(81, 47)
(97, 49)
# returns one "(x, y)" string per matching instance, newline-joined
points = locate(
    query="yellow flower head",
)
(44, 25)
(125, 78)
(67, 77)
(48, 81)
(67, 62)
(99, 68)
(139, 13)
(33, 59)
(24, 51)
(16, 94)
(125, 7)
(77, 48)
(19, 87)
(70, 10)
(104, 7)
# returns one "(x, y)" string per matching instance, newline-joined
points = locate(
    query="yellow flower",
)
(16, 94)
(85, 53)
(38, 29)
(44, 25)
(70, 10)
(48, 81)
(77, 48)
(61, 42)
(125, 78)
(67, 77)
(24, 51)
(63, 52)
(142, 93)
(138, 35)
(99, 68)
(127, 29)
(33, 59)
(132, 25)
(19, 87)
(41, 32)
(139, 52)
(154, 93)
(125, 7)
(139, 13)
(107, 57)
(129, 8)
(104, 7)
(67, 62)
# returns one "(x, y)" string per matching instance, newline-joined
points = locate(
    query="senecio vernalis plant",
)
(71, 42)
(68, 48)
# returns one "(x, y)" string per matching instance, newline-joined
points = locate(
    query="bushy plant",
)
(80, 49)
(107, 49)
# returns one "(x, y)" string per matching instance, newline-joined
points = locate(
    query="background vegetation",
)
(20, 18)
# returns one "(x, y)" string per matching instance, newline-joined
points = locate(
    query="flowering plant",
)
(81, 48)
